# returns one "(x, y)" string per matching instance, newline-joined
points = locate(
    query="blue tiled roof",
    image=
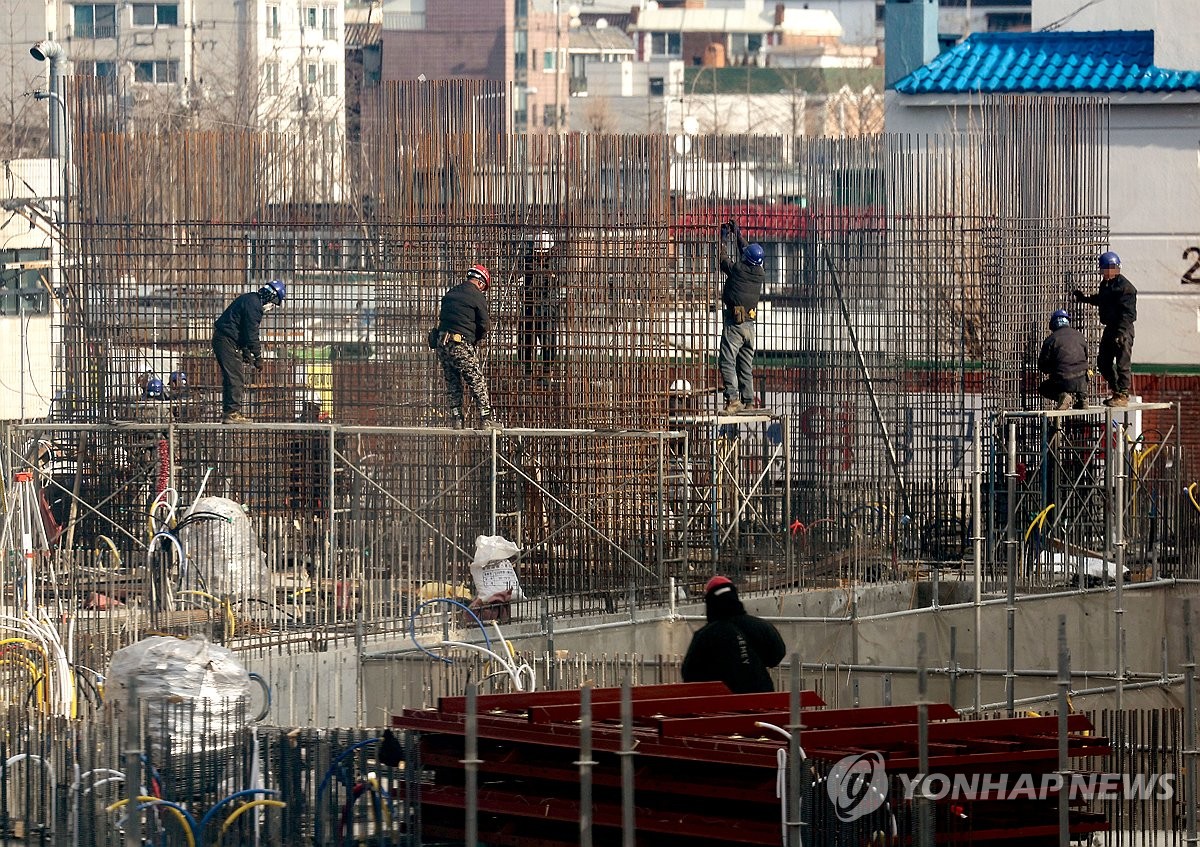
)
(1033, 62)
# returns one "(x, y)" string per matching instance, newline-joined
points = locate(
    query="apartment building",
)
(261, 64)
(522, 44)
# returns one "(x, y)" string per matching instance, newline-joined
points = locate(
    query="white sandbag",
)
(493, 570)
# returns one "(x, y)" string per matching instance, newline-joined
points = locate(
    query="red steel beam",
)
(703, 705)
(519, 702)
(832, 719)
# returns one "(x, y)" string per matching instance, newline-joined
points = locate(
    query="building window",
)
(329, 80)
(155, 14)
(312, 76)
(1008, 21)
(96, 68)
(657, 87)
(271, 78)
(161, 72)
(666, 44)
(521, 49)
(310, 17)
(549, 65)
(21, 289)
(329, 23)
(96, 20)
(521, 9)
(272, 21)
(549, 113)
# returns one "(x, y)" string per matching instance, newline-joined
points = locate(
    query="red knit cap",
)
(717, 582)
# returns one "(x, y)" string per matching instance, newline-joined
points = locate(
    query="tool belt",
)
(456, 337)
(740, 314)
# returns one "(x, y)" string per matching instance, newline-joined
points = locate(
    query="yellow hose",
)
(1191, 490)
(183, 822)
(1039, 521)
(278, 804)
(112, 547)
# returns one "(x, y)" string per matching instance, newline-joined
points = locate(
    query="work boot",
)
(1119, 400)
(1080, 402)
(732, 406)
(235, 418)
(748, 405)
(456, 419)
(488, 422)
(1064, 402)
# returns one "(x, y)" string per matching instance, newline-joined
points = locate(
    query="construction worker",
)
(733, 647)
(1064, 360)
(739, 295)
(1116, 301)
(463, 322)
(235, 344)
(542, 301)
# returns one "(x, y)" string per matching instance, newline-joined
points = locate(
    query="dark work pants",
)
(1116, 352)
(233, 378)
(539, 324)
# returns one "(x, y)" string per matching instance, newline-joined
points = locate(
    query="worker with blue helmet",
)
(1116, 301)
(744, 280)
(1064, 360)
(236, 344)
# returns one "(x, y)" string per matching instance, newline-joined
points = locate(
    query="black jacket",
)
(1116, 300)
(543, 282)
(464, 311)
(743, 281)
(240, 321)
(1064, 354)
(734, 648)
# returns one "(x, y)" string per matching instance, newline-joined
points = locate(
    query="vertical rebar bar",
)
(1011, 545)
(470, 765)
(977, 555)
(628, 810)
(1118, 544)
(1064, 708)
(1191, 756)
(585, 764)
(924, 821)
(797, 769)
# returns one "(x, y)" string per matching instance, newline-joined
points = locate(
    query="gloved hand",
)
(1079, 296)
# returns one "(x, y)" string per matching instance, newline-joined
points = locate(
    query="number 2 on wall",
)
(1192, 275)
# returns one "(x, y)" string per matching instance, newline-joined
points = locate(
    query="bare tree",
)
(599, 115)
(22, 120)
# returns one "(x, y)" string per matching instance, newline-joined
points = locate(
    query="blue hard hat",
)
(754, 254)
(154, 388)
(1060, 318)
(1109, 260)
(178, 379)
(274, 290)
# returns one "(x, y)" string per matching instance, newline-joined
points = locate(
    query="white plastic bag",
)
(493, 570)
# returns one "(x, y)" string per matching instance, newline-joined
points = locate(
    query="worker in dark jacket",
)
(463, 322)
(1116, 301)
(1064, 360)
(235, 344)
(733, 647)
(739, 296)
(543, 297)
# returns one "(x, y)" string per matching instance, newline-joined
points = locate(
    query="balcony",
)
(95, 31)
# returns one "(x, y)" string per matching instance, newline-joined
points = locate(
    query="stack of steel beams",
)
(706, 770)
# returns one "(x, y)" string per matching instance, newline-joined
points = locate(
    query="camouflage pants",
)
(460, 364)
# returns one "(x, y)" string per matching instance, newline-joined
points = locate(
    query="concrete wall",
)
(1153, 620)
